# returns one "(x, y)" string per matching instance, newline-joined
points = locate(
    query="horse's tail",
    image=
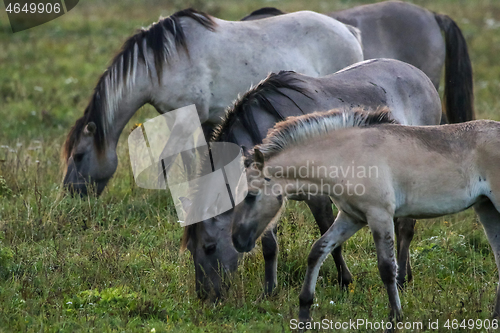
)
(356, 33)
(458, 90)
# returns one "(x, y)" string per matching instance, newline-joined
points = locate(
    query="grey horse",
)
(194, 58)
(404, 89)
(406, 32)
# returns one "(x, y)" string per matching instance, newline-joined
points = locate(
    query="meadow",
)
(112, 264)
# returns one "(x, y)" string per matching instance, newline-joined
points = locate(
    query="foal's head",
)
(265, 192)
(259, 208)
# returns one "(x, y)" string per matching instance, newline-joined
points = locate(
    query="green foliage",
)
(5, 191)
(113, 263)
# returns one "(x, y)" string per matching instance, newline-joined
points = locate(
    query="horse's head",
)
(259, 208)
(90, 160)
(213, 254)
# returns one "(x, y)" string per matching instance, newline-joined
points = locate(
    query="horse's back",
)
(227, 61)
(406, 90)
(307, 42)
(464, 159)
(403, 88)
(400, 31)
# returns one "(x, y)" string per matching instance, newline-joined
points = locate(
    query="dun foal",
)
(373, 174)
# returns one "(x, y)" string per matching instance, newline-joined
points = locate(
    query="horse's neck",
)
(127, 103)
(185, 81)
(253, 135)
(243, 136)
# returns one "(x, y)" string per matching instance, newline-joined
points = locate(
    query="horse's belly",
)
(430, 207)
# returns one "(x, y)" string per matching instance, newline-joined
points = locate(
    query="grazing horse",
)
(406, 90)
(193, 58)
(390, 178)
(406, 32)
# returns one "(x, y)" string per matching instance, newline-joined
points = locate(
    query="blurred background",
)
(112, 264)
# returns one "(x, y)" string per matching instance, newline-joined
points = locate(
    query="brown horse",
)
(384, 174)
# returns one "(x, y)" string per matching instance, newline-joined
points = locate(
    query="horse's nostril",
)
(209, 249)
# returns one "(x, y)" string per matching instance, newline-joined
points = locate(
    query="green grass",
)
(112, 264)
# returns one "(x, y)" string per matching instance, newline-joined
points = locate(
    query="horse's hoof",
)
(402, 285)
(265, 295)
(392, 329)
(304, 316)
(303, 323)
(271, 292)
(344, 283)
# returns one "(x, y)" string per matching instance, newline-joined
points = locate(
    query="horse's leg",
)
(321, 208)
(189, 158)
(343, 228)
(382, 226)
(405, 229)
(182, 136)
(490, 219)
(270, 251)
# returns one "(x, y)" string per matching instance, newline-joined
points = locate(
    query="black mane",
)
(155, 37)
(263, 11)
(258, 95)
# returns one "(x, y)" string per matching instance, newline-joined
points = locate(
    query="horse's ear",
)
(89, 129)
(186, 203)
(258, 159)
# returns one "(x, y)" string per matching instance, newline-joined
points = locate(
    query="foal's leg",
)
(405, 229)
(321, 208)
(270, 251)
(382, 226)
(343, 228)
(490, 219)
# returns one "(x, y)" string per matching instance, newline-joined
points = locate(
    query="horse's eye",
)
(267, 179)
(210, 249)
(78, 157)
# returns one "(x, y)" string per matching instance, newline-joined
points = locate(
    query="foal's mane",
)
(160, 39)
(297, 130)
(258, 95)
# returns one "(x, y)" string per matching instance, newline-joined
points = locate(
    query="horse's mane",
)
(160, 39)
(259, 94)
(264, 11)
(297, 130)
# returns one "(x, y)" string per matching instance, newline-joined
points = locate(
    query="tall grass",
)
(112, 264)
